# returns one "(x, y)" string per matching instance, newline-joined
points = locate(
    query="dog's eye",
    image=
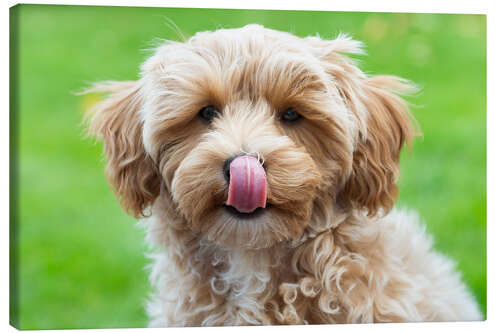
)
(208, 113)
(290, 115)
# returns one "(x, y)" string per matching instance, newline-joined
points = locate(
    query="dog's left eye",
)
(208, 113)
(290, 115)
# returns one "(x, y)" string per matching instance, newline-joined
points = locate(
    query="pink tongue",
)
(247, 184)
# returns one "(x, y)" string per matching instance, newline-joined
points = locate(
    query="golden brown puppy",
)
(266, 166)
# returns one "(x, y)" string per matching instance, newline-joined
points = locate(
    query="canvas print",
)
(213, 167)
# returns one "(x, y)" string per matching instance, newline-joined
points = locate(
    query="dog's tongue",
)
(247, 184)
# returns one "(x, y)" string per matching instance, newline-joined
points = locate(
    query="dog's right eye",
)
(208, 113)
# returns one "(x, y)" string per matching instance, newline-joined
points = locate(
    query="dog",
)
(264, 167)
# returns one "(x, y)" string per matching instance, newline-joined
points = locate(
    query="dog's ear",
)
(389, 126)
(116, 121)
(383, 121)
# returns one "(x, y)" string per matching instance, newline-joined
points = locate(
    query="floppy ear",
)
(389, 125)
(129, 170)
(384, 122)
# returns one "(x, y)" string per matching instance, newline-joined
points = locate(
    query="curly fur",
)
(329, 248)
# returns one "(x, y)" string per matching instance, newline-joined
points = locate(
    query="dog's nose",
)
(247, 188)
(227, 167)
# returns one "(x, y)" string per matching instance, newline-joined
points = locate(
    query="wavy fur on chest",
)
(364, 270)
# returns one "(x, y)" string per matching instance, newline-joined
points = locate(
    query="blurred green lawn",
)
(80, 259)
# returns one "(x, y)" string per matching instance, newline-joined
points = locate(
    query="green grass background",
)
(79, 260)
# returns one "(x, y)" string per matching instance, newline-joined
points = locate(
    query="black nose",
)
(226, 167)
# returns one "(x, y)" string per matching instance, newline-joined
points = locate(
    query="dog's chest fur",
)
(357, 272)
